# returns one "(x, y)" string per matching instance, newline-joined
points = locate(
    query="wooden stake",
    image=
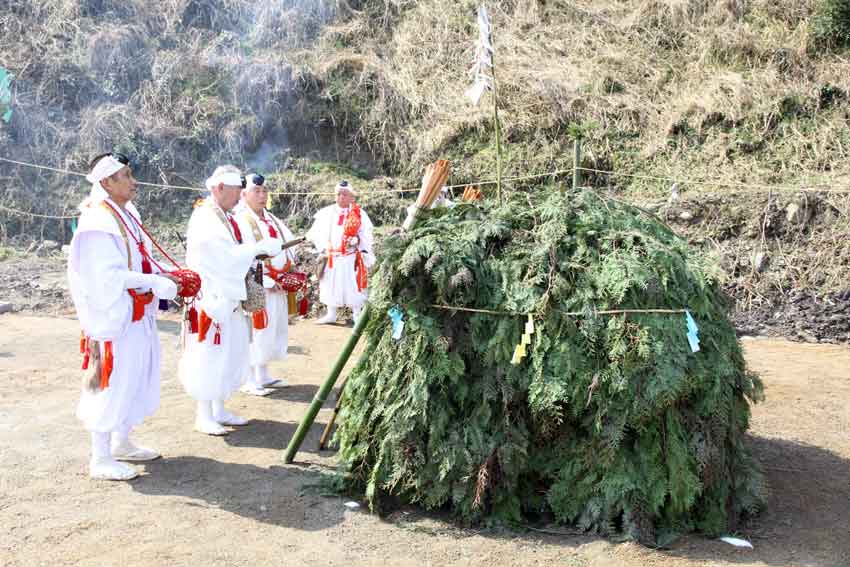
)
(326, 434)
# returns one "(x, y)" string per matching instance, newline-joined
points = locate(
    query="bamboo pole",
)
(576, 163)
(322, 394)
(497, 125)
(430, 189)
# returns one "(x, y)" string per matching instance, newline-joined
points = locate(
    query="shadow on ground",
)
(302, 393)
(274, 495)
(807, 521)
(268, 434)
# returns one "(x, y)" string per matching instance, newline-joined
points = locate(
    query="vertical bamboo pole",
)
(327, 386)
(498, 135)
(576, 163)
(322, 394)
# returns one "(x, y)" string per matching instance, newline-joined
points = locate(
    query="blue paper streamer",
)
(693, 332)
(6, 94)
(397, 315)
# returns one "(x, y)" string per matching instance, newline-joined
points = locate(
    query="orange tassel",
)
(140, 300)
(204, 324)
(260, 319)
(330, 256)
(84, 350)
(217, 338)
(193, 320)
(362, 275)
(106, 369)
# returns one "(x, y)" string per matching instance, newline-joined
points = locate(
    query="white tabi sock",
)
(224, 417)
(330, 316)
(100, 449)
(103, 466)
(204, 421)
(121, 436)
(355, 313)
(217, 408)
(205, 412)
(259, 375)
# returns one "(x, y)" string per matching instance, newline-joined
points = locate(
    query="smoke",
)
(179, 86)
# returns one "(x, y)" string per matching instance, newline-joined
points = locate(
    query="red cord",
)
(141, 246)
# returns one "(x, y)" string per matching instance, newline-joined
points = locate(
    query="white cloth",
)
(229, 178)
(270, 343)
(210, 371)
(338, 285)
(107, 166)
(99, 279)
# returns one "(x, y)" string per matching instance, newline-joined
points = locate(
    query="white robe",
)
(270, 343)
(99, 279)
(338, 286)
(210, 371)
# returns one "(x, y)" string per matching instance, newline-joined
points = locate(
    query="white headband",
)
(105, 167)
(341, 188)
(230, 178)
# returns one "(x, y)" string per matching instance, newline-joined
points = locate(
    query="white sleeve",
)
(318, 233)
(161, 287)
(101, 266)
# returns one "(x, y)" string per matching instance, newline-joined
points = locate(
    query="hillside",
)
(721, 96)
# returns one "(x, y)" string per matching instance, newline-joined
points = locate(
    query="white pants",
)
(210, 371)
(133, 392)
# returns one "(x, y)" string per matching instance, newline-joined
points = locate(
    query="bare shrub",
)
(119, 59)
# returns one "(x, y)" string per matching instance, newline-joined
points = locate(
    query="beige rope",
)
(569, 313)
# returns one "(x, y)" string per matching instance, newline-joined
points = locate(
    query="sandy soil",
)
(231, 501)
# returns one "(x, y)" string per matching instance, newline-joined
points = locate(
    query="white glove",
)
(268, 247)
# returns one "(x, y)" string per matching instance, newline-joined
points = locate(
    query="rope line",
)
(568, 313)
(198, 189)
(29, 214)
(817, 188)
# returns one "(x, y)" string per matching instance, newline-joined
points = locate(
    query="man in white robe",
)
(215, 360)
(116, 303)
(339, 286)
(270, 343)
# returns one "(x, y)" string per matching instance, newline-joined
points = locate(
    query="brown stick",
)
(326, 434)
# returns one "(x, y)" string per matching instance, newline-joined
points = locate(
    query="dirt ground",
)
(231, 501)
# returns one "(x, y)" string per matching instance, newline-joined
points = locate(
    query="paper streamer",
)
(693, 332)
(519, 351)
(6, 94)
(397, 316)
(482, 79)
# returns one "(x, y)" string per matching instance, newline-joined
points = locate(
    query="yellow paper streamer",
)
(517, 358)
